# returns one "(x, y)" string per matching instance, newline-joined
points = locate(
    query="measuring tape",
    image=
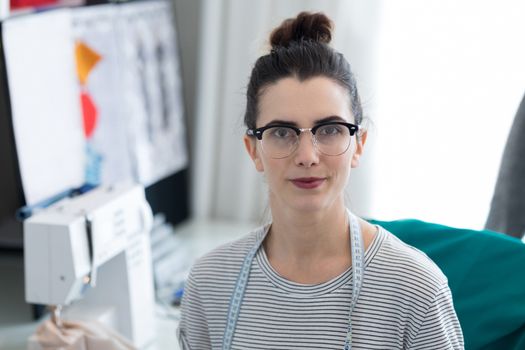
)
(356, 246)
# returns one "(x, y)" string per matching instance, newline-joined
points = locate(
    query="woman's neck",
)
(305, 239)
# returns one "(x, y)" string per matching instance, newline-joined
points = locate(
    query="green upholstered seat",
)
(486, 274)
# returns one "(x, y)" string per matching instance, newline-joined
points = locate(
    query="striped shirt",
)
(405, 303)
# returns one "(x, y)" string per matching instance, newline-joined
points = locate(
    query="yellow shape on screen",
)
(86, 59)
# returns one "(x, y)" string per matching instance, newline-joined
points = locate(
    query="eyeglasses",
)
(280, 141)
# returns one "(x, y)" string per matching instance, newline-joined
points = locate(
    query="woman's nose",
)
(306, 153)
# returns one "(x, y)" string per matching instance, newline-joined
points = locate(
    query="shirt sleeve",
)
(193, 331)
(440, 328)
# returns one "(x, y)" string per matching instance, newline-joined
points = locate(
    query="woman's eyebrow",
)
(332, 118)
(282, 122)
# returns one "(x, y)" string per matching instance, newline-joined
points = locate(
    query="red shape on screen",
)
(89, 113)
(19, 4)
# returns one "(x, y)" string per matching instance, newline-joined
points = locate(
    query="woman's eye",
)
(281, 132)
(330, 130)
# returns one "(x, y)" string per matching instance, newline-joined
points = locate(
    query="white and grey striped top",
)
(405, 303)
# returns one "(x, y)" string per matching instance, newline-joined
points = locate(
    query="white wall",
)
(450, 77)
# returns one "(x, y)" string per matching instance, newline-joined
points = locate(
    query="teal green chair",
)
(486, 274)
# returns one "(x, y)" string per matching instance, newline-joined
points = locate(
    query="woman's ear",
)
(251, 147)
(361, 140)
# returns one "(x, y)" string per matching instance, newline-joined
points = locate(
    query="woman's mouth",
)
(308, 182)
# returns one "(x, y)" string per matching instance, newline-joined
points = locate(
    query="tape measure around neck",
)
(356, 246)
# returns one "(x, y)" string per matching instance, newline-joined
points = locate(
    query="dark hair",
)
(300, 49)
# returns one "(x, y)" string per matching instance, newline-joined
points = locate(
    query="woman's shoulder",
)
(408, 261)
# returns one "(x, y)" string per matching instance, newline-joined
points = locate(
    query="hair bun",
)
(306, 26)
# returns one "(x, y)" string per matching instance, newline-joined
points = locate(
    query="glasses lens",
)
(279, 141)
(333, 139)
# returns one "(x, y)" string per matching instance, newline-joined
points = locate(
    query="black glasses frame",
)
(258, 132)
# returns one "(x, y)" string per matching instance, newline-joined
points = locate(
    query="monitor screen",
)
(102, 103)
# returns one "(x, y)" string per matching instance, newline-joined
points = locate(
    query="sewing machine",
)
(90, 255)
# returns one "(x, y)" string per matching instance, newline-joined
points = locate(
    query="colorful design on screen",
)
(86, 60)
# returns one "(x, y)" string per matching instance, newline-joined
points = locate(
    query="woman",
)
(317, 277)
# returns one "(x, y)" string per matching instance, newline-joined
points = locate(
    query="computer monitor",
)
(20, 182)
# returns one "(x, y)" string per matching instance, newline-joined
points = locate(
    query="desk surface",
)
(198, 237)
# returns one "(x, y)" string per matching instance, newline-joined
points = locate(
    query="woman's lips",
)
(308, 182)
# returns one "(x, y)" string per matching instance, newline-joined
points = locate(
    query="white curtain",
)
(234, 35)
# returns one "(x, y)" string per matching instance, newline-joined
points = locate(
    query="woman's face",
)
(305, 104)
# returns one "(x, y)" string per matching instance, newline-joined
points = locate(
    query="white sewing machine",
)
(91, 254)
